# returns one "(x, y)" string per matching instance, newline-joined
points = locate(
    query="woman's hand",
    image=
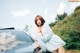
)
(37, 49)
(37, 44)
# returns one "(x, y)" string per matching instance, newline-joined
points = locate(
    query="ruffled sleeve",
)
(47, 33)
(33, 33)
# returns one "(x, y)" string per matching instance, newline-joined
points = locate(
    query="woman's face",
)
(39, 22)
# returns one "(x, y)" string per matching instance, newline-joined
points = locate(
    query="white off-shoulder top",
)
(49, 40)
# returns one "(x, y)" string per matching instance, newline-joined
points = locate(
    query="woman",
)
(45, 38)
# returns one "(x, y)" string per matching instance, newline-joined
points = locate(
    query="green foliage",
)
(69, 30)
(26, 28)
(58, 18)
(61, 17)
(52, 24)
(73, 40)
(77, 8)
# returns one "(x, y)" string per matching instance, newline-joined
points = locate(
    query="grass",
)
(72, 51)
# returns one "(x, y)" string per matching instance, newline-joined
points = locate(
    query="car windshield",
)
(12, 39)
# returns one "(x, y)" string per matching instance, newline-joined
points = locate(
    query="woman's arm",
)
(47, 36)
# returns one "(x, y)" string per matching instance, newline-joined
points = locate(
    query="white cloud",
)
(18, 13)
(49, 16)
(53, 17)
(11, 38)
(61, 8)
(78, 4)
(46, 13)
(74, 5)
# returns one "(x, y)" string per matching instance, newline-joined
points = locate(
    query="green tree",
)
(73, 40)
(77, 8)
(61, 17)
(26, 28)
(52, 24)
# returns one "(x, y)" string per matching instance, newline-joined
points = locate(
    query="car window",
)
(12, 39)
(20, 35)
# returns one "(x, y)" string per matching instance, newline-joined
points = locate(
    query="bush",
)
(73, 40)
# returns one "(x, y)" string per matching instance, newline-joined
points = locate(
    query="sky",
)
(18, 13)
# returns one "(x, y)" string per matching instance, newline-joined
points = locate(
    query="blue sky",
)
(18, 13)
